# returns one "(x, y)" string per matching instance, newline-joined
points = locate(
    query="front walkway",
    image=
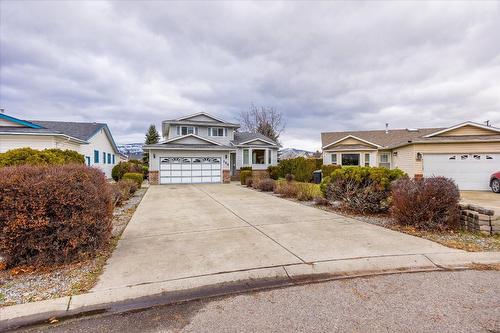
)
(189, 231)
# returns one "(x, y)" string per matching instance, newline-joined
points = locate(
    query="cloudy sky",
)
(325, 66)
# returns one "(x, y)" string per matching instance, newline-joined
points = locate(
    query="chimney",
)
(386, 128)
(487, 123)
(2, 110)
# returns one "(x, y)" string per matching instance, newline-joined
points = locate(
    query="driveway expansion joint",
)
(253, 226)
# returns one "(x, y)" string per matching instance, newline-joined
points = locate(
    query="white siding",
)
(8, 142)
(272, 151)
(101, 143)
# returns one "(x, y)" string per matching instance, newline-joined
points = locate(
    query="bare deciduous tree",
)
(264, 120)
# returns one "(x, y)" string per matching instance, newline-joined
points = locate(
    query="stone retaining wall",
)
(476, 218)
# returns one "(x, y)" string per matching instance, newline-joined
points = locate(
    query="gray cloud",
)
(326, 66)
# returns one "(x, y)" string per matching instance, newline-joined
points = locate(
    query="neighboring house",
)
(201, 148)
(468, 152)
(93, 140)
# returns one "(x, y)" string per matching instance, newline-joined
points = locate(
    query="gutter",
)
(68, 137)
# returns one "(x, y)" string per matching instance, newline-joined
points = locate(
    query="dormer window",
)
(217, 131)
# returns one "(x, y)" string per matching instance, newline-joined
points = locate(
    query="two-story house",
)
(201, 148)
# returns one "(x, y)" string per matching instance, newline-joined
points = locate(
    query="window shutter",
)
(178, 130)
(196, 130)
(210, 131)
(225, 131)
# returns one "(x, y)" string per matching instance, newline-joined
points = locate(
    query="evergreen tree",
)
(152, 137)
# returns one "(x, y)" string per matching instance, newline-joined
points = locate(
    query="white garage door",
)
(469, 171)
(186, 170)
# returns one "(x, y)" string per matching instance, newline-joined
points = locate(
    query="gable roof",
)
(177, 138)
(200, 114)
(379, 137)
(18, 121)
(467, 123)
(83, 131)
(245, 137)
(350, 136)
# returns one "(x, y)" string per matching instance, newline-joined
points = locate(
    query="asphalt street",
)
(463, 301)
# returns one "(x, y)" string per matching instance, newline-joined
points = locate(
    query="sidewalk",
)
(160, 293)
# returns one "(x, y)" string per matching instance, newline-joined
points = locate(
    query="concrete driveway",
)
(486, 199)
(190, 231)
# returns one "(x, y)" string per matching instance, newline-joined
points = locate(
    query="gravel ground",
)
(462, 301)
(24, 285)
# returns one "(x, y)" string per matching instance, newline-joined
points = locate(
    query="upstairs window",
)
(109, 158)
(113, 158)
(96, 156)
(216, 131)
(185, 130)
(103, 157)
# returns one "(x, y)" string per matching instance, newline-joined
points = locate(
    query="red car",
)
(495, 182)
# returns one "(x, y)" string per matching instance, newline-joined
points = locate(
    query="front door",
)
(233, 163)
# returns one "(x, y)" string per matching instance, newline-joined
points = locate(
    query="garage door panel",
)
(181, 170)
(469, 171)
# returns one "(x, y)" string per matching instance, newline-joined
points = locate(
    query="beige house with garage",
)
(468, 152)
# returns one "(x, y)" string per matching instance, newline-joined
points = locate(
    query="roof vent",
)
(386, 128)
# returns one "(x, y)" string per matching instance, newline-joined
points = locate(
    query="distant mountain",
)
(132, 150)
(288, 153)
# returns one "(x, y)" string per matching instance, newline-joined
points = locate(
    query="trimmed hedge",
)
(52, 215)
(138, 178)
(244, 174)
(126, 167)
(327, 169)
(362, 189)
(429, 203)
(30, 156)
(302, 168)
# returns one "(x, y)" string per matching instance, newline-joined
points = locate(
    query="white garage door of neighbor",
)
(469, 171)
(186, 170)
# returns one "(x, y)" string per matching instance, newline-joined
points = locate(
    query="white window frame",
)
(247, 151)
(367, 160)
(254, 162)
(359, 158)
(334, 161)
(269, 160)
(194, 130)
(219, 130)
(381, 162)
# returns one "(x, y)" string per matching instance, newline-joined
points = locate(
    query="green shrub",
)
(53, 214)
(327, 169)
(273, 171)
(362, 189)
(244, 174)
(307, 191)
(324, 185)
(40, 157)
(302, 168)
(137, 177)
(126, 167)
(429, 203)
(246, 168)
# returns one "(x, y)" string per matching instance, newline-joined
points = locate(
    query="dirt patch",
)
(25, 284)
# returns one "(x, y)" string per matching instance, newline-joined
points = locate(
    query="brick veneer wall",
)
(154, 178)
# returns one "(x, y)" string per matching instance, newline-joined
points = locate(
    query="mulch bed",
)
(26, 284)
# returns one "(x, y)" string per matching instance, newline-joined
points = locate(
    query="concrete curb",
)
(143, 296)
